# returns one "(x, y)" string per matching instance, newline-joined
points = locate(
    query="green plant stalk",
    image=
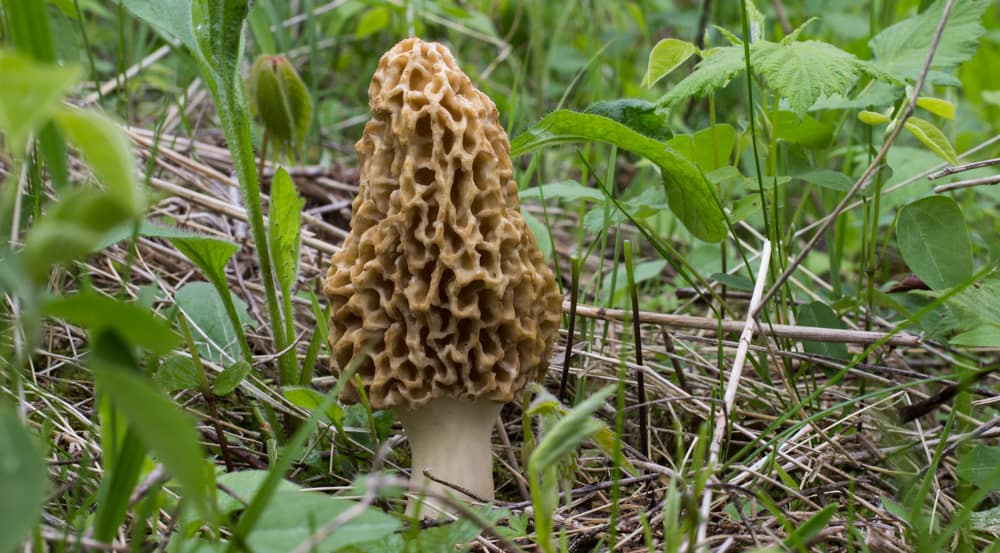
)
(206, 390)
(236, 126)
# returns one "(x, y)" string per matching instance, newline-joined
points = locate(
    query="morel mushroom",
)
(439, 271)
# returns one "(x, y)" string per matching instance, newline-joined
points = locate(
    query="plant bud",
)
(280, 99)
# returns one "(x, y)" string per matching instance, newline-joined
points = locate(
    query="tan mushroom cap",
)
(439, 269)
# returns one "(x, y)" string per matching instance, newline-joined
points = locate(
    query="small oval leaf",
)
(873, 118)
(667, 55)
(933, 138)
(937, 106)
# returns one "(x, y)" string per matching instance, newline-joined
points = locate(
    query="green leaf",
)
(802, 72)
(647, 270)
(639, 115)
(569, 190)
(667, 55)
(709, 148)
(569, 432)
(177, 372)
(984, 336)
(803, 130)
(292, 517)
(221, 36)
(230, 378)
(285, 234)
(937, 106)
(987, 521)
(209, 254)
(819, 314)
(163, 428)
(981, 303)
(310, 400)
(689, 193)
(107, 151)
(980, 466)
(23, 479)
(173, 18)
(52, 242)
(148, 229)
(539, 231)
(32, 92)
(245, 484)
(873, 118)
(811, 527)
(714, 71)
(902, 48)
(833, 180)
(934, 241)
(134, 322)
(372, 21)
(214, 335)
(933, 138)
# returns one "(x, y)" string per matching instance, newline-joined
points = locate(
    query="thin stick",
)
(732, 386)
(994, 179)
(573, 296)
(964, 167)
(873, 167)
(818, 334)
(637, 338)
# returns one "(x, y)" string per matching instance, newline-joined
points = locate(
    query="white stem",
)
(450, 438)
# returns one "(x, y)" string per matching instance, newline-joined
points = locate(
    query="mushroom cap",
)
(439, 272)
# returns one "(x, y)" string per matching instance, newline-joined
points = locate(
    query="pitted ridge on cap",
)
(439, 270)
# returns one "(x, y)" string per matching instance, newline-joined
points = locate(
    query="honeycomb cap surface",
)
(439, 272)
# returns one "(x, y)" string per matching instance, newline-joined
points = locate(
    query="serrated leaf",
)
(667, 55)
(902, 48)
(714, 71)
(285, 229)
(933, 138)
(873, 118)
(934, 241)
(569, 190)
(22, 479)
(108, 152)
(230, 378)
(756, 21)
(802, 72)
(937, 106)
(31, 94)
(689, 193)
(134, 322)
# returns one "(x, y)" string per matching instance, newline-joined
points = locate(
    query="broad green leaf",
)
(569, 190)
(539, 231)
(177, 372)
(245, 484)
(717, 67)
(134, 322)
(292, 517)
(873, 118)
(214, 335)
(981, 301)
(667, 55)
(934, 241)
(639, 115)
(31, 94)
(937, 106)
(689, 193)
(230, 378)
(569, 432)
(819, 314)
(804, 130)
(22, 478)
(209, 254)
(52, 242)
(647, 270)
(173, 18)
(933, 138)
(981, 466)
(163, 428)
(709, 149)
(834, 180)
(984, 336)
(108, 152)
(310, 400)
(802, 72)
(987, 520)
(372, 21)
(285, 234)
(902, 48)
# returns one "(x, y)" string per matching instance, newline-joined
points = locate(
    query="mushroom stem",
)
(451, 439)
